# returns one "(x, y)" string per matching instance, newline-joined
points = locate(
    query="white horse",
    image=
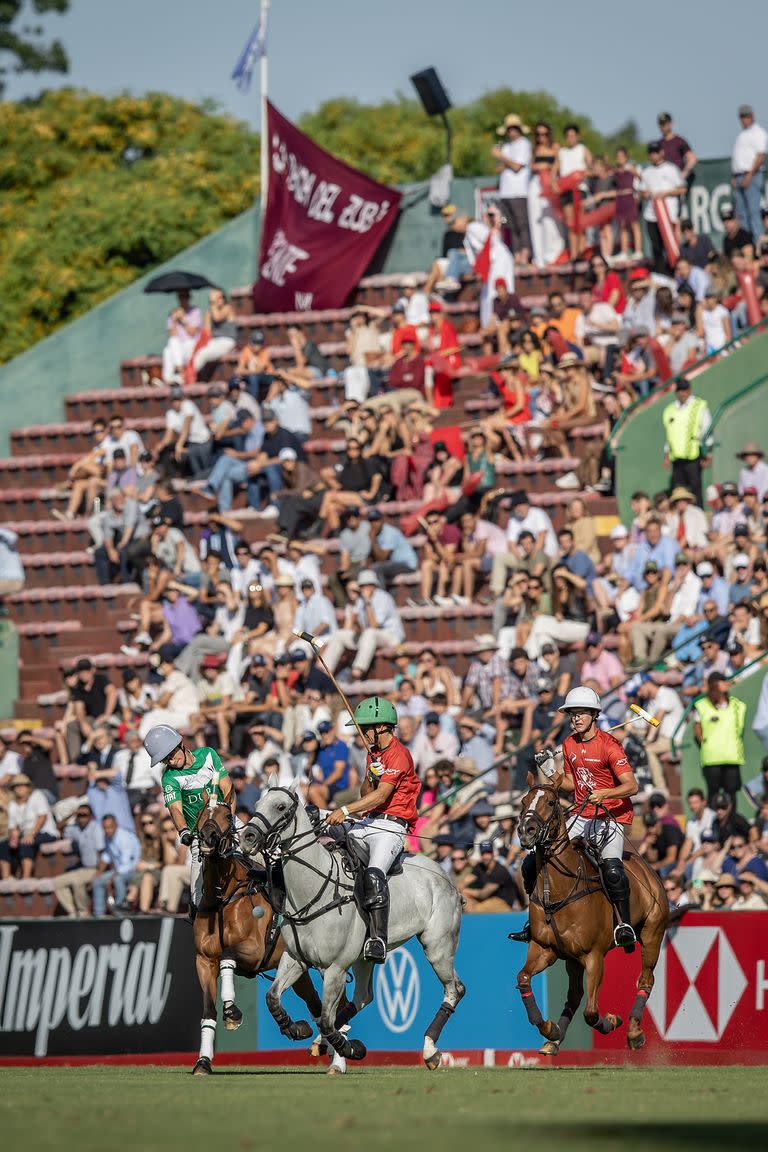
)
(323, 929)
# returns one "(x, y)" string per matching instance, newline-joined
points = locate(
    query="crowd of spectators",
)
(420, 516)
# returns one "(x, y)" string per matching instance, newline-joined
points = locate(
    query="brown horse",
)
(235, 930)
(572, 920)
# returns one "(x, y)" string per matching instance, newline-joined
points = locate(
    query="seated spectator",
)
(713, 322)
(35, 761)
(577, 410)
(674, 618)
(94, 701)
(30, 825)
(288, 398)
(216, 692)
(354, 484)
(582, 525)
(754, 470)
(254, 367)
(432, 678)
(409, 468)
(391, 553)
(334, 780)
(119, 857)
(140, 893)
(187, 439)
(177, 617)
(749, 898)
(86, 836)
(745, 630)
(133, 765)
(663, 703)
(689, 862)
(315, 612)
(491, 887)
(441, 555)
(12, 576)
(219, 323)
(601, 665)
(375, 623)
(524, 518)
(267, 748)
(309, 362)
(663, 838)
(481, 540)
(176, 697)
(486, 680)
(173, 549)
(86, 477)
(176, 868)
(184, 325)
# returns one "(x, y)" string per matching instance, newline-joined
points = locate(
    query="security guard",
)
(719, 733)
(686, 420)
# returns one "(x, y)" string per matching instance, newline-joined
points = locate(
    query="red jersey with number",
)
(398, 770)
(597, 763)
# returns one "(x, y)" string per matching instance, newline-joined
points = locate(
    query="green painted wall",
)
(639, 444)
(744, 419)
(9, 668)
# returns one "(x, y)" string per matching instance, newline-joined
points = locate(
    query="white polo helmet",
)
(160, 741)
(581, 698)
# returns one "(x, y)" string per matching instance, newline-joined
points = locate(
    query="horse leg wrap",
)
(207, 1037)
(345, 1013)
(604, 1026)
(350, 1049)
(564, 1022)
(442, 1016)
(281, 1018)
(532, 1010)
(638, 1007)
(227, 973)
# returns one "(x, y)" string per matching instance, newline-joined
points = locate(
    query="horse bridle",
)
(230, 837)
(544, 834)
(271, 833)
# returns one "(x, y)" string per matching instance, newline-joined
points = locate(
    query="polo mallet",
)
(308, 638)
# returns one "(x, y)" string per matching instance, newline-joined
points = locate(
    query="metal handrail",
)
(727, 403)
(666, 385)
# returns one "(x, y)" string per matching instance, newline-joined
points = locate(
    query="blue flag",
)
(254, 49)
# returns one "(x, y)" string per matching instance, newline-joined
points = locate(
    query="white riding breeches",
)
(606, 835)
(196, 875)
(385, 840)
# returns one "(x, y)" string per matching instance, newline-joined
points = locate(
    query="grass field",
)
(393, 1109)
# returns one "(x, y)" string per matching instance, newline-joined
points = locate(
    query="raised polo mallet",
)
(308, 638)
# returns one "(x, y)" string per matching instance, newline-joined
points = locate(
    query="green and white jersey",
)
(187, 784)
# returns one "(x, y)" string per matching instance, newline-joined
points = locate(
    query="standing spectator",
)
(748, 170)
(573, 159)
(440, 556)
(754, 470)
(513, 163)
(11, 567)
(694, 248)
(701, 821)
(375, 623)
(106, 786)
(626, 181)
(665, 705)
(30, 825)
(719, 733)
(676, 149)
(686, 420)
(546, 231)
(185, 322)
(713, 322)
(86, 836)
(665, 180)
(119, 858)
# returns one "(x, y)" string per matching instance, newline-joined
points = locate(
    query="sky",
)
(609, 61)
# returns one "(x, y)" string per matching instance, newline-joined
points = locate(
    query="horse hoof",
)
(614, 1021)
(232, 1017)
(318, 1048)
(636, 1042)
(551, 1048)
(203, 1067)
(356, 1050)
(432, 1062)
(300, 1030)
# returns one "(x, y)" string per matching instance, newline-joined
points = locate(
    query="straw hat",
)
(512, 121)
(681, 493)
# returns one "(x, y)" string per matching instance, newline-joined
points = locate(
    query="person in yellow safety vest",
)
(686, 420)
(719, 733)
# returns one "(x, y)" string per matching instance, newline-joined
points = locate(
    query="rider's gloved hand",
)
(545, 762)
(376, 768)
(186, 837)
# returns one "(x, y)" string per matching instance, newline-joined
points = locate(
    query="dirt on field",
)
(466, 1110)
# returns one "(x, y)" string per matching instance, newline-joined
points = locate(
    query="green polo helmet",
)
(374, 710)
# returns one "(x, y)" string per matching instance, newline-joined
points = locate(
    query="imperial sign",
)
(323, 224)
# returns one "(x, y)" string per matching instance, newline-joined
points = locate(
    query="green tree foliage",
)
(95, 192)
(24, 44)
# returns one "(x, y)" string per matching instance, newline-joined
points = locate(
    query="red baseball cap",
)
(500, 280)
(408, 335)
(435, 306)
(639, 274)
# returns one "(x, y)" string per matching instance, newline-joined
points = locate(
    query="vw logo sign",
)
(398, 990)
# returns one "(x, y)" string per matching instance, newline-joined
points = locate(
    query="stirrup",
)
(523, 936)
(624, 937)
(375, 950)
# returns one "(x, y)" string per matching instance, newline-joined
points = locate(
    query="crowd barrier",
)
(127, 989)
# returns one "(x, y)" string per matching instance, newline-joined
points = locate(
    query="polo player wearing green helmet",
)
(383, 815)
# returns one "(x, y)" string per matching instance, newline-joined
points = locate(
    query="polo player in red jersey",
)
(388, 811)
(596, 770)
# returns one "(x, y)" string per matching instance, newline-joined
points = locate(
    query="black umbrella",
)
(178, 282)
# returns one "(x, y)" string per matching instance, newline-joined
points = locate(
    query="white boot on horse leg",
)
(207, 1043)
(230, 1012)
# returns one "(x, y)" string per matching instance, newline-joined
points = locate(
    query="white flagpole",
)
(264, 84)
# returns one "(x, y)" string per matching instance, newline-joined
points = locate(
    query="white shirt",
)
(713, 323)
(144, 775)
(307, 567)
(572, 159)
(685, 599)
(536, 521)
(695, 525)
(129, 438)
(426, 752)
(25, 816)
(10, 765)
(695, 827)
(291, 407)
(667, 701)
(514, 185)
(198, 429)
(658, 179)
(183, 693)
(240, 578)
(271, 751)
(417, 309)
(756, 477)
(750, 143)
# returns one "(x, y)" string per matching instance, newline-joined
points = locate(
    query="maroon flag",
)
(323, 224)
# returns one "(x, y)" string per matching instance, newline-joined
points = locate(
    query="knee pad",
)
(375, 889)
(614, 875)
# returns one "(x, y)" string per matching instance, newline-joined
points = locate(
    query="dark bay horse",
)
(235, 930)
(572, 919)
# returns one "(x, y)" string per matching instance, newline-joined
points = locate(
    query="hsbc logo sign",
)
(699, 983)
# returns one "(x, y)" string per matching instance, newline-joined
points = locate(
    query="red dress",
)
(612, 283)
(597, 763)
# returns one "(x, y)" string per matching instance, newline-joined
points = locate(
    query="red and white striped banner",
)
(667, 229)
